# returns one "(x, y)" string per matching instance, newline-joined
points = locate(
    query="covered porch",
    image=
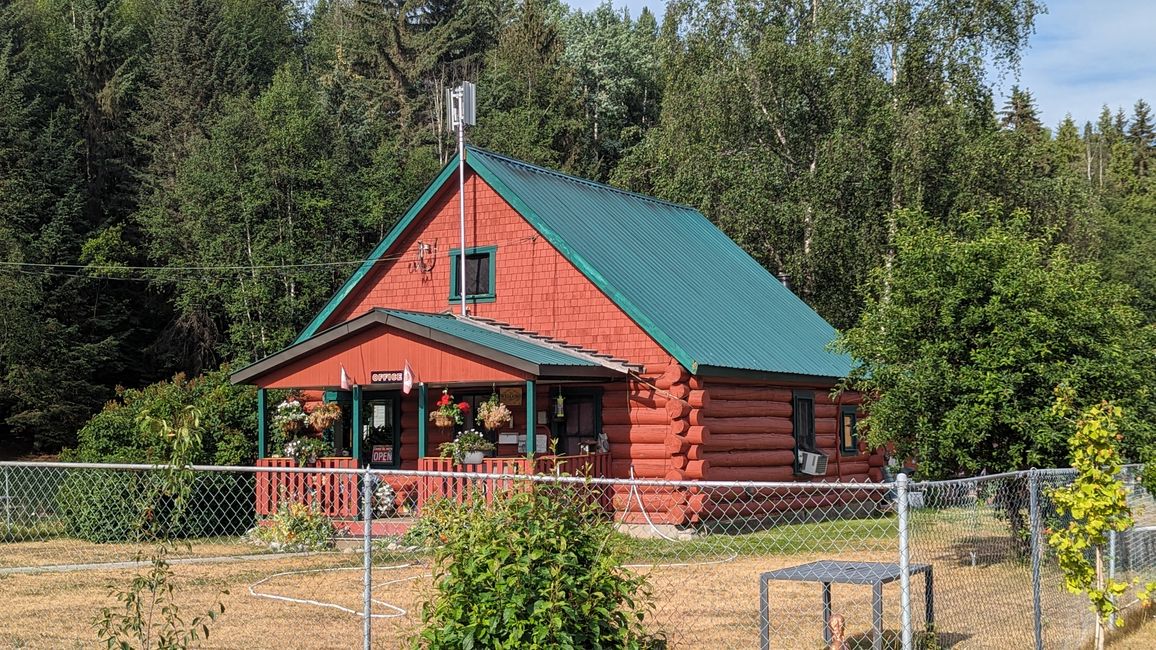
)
(396, 366)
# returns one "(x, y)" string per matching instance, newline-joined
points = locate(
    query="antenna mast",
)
(460, 111)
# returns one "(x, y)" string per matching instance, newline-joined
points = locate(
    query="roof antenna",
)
(460, 111)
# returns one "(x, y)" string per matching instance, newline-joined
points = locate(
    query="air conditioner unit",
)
(812, 463)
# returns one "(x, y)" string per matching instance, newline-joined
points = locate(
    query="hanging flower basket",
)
(447, 413)
(324, 415)
(493, 414)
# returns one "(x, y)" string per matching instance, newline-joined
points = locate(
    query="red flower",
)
(463, 407)
(445, 399)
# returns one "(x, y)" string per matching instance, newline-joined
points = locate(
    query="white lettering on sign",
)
(385, 377)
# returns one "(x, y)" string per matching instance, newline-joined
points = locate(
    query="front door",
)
(579, 421)
(380, 429)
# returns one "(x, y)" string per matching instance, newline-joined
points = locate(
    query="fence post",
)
(904, 565)
(367, 534)
(7, 505)
(1112, 573)
(1035, 528)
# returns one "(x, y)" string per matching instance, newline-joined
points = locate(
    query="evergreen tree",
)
(1020, 114)
(527, 95)
(1142, 137)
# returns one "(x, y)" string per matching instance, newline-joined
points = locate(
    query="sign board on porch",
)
(382, 454)
(385, 376)
(539, 443)
(511, 396)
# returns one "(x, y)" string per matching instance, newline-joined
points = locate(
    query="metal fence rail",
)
(340, 557)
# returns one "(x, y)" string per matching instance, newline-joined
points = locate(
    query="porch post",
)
(530, 417)
(355, 428)
(262, 422)
(422, 406)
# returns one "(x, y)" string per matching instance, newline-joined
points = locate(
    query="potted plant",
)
(324, 415)
(307, 450)
(493, 414)
(447, 412)
(467, 449)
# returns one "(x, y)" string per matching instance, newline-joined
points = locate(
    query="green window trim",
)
(849, 418)
(455, 274)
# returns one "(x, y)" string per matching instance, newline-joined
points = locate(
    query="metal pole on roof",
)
(460, 94)
(460, 111)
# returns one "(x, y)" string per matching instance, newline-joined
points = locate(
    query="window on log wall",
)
(803, 421)
(849, 430)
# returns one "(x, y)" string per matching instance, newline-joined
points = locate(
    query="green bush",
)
(112, 506)
(296, 527)
(228, 427)
(539, 567)
(123, 506)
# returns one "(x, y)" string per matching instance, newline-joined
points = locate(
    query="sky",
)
(1084, 54)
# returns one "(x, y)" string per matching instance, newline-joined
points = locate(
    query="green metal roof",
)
(697, 293)
(493, 338)
(514, 349)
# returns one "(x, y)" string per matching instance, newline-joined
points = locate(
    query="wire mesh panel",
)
(725, 564)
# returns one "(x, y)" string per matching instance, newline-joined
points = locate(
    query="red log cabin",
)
(599, 316)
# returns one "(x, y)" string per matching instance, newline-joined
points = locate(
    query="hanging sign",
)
(511, 396)
(386, 376)
(382, 454)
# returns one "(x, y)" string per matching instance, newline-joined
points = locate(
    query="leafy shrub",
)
(108, 506)
(537, 568)
(113, 506)
(296, 527)
(228, 426)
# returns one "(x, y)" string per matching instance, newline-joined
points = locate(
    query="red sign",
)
(382, 454)
(385, 376)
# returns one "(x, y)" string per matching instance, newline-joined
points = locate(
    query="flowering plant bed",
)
(447, 412)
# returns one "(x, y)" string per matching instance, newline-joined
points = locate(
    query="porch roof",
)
(521, 354)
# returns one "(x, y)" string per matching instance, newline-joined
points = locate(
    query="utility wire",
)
(98, 271)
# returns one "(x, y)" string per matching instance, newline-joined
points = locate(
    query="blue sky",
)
(1085, 53)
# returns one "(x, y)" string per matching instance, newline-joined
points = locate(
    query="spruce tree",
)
(1142, 137)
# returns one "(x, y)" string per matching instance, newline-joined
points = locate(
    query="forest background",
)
(183, 183)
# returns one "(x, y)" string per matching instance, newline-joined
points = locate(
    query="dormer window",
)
(479, 274)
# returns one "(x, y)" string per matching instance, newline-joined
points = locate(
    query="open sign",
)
(382, 454)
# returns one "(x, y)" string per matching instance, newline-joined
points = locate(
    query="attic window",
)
(479, 274)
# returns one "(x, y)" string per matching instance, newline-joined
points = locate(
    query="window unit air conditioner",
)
(812, 463)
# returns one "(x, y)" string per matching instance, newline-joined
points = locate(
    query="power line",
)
(115, 272)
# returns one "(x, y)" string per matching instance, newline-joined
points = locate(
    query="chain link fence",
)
(299, 556)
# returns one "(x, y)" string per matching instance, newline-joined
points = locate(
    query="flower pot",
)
(443, 420)
(473, 457)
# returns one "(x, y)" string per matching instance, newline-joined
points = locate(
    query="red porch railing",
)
(335, 495)
(459, 488)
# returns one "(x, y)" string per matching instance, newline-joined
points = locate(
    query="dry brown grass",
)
(71, 551)
(699, 606)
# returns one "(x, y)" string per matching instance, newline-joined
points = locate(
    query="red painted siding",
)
(380, 349)
(536, 287)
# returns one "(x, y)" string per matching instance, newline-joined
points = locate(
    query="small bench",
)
(828, 572)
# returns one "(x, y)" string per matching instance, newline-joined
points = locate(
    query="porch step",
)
(391, 527)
